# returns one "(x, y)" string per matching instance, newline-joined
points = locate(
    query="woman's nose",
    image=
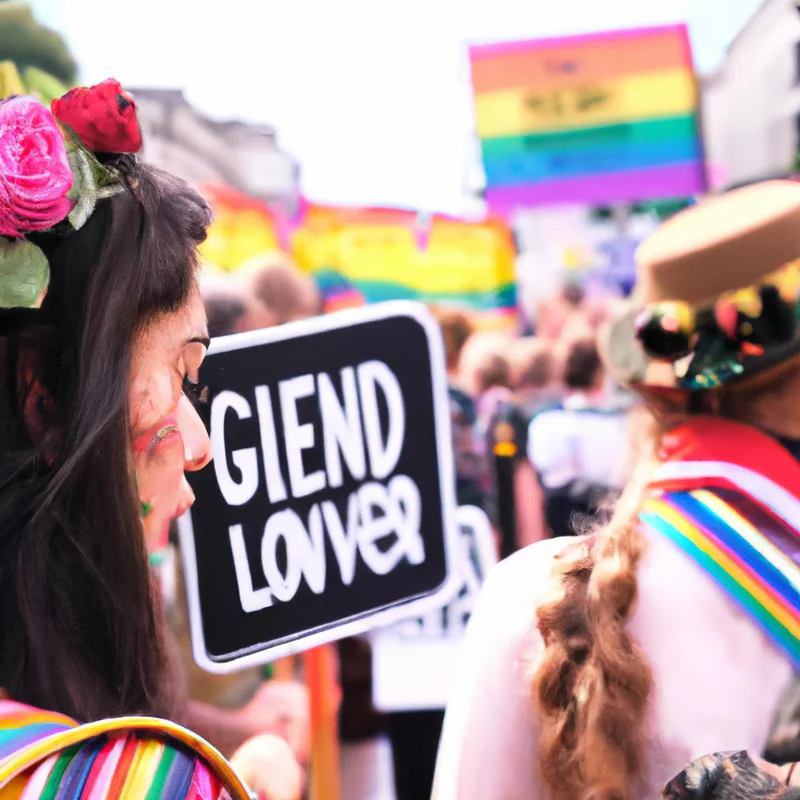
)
(197, 445)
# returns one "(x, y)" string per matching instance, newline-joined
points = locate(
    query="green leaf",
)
(84, 188)
(92, 181)
(24, 274)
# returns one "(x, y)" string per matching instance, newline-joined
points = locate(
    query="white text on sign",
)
(383, 516)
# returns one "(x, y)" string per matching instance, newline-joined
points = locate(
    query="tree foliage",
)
(29, 44)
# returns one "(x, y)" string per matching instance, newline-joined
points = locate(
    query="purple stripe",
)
(481, 51)
(13, 741)
(677, 180)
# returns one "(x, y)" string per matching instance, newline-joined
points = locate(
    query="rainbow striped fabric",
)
(49, 757)
(597, 118)
(740, 525)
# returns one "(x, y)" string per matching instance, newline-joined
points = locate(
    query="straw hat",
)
(717, 291)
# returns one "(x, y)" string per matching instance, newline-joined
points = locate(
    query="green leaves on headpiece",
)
(24, 274)
(92, 180)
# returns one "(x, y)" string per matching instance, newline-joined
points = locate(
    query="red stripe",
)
(117, 783)
(716, 439)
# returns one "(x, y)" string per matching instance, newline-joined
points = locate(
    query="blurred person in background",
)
(288, 293)
(536, 374)
(476, 353)
(561, 312)
(231, 308)
(516, 512)
(579, 451)
(473, 478)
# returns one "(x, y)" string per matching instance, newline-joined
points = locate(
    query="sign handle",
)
(320, 675)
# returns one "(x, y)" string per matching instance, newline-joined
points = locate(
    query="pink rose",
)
(35, 175)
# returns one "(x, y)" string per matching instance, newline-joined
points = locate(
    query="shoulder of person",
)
(41, 748)
(511, 592)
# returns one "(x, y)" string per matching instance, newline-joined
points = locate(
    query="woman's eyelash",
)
(197, 393)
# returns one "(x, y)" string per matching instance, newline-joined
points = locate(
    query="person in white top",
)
(598, 667)
(579, 448)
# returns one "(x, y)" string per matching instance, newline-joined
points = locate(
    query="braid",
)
(593, 682)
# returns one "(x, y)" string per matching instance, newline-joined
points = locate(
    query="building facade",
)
(751, 104)
(180, 139)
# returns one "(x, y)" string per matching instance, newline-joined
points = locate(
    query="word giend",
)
(374, 512)
(351, 432)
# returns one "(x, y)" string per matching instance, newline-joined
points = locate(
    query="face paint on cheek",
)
(157, 467)
(161, 434)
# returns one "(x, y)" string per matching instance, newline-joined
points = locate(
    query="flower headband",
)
(741, 331)
(51, 178)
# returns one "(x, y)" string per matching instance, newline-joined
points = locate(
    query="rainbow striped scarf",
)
(740, 523)
(45, 756)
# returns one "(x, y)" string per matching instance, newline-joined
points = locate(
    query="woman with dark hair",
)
(598, 667)
(98, 383)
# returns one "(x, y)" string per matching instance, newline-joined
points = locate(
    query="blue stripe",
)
(783, 639)
(703, 517)
(180, 777)
(547, 165)
(74, 778)
(13, 739)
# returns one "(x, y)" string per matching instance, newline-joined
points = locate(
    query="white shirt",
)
(578, 443)
(718, 679)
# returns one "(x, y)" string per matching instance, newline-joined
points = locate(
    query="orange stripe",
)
(569, 67)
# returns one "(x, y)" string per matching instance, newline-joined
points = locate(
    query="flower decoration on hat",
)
(712, 344)
(50, 177)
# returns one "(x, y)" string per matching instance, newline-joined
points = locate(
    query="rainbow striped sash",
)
(742, 529)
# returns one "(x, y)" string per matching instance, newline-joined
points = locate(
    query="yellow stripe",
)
(142, 770)
(387, 253)
(743, 527)
(515, 112)
(678, 521)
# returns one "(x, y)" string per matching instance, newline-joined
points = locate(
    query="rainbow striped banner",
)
(368, 255)
(600, 118)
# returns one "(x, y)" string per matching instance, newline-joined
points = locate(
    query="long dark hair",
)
(79, 627)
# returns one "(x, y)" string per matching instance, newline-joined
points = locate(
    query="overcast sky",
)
(371, 96)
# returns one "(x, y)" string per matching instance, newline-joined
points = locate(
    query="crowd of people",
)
(645, 614)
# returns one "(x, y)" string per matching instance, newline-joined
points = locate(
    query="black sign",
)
(329, 507)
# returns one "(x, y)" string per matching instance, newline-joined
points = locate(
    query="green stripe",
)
(57, 773)
(162, 773)
(648, 131)
(776, 630)
(503, 296)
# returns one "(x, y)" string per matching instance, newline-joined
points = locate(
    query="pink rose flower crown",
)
(51, 177)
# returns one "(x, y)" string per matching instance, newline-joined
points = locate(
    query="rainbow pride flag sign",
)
(370, 255)
(600, 118)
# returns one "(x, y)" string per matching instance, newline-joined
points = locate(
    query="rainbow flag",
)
(596, 119)
(243, 227)
(370, 255)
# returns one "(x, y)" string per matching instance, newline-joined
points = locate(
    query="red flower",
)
(102, 116)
